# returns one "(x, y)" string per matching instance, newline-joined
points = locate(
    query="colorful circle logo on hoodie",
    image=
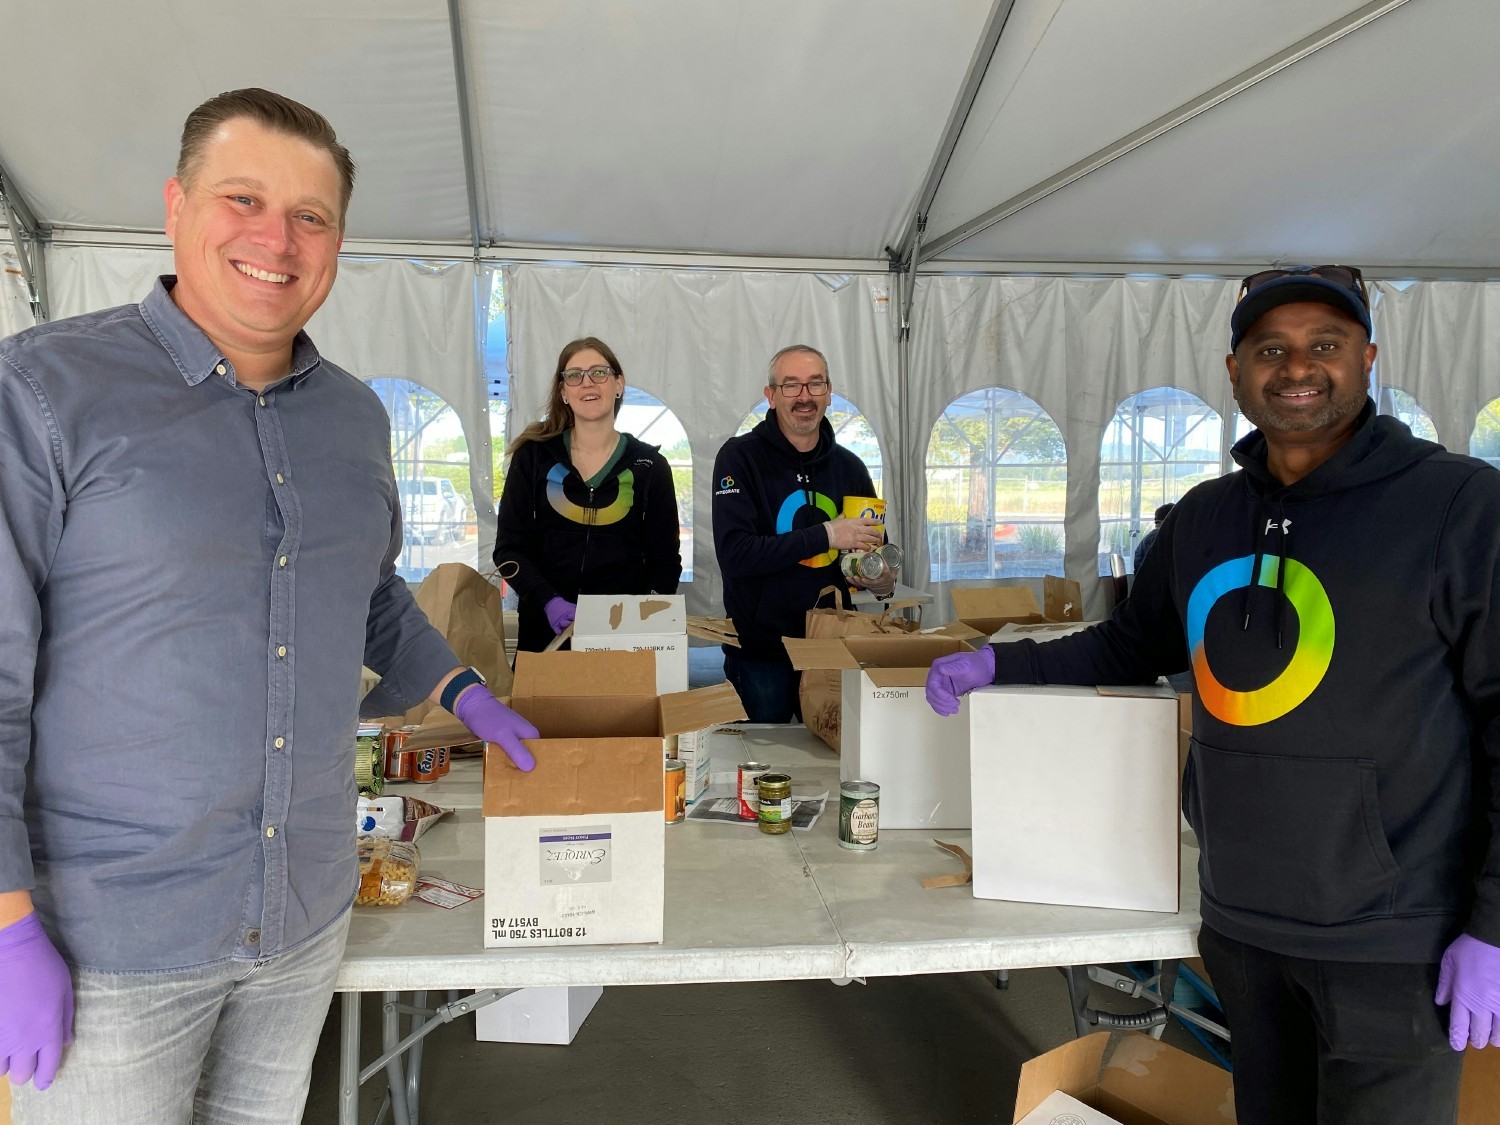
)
(1309, 663)
(794, 503)
(610, 513)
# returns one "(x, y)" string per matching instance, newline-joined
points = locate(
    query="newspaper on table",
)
(723, 805)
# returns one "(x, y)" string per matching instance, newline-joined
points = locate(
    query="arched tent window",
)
(997, 485)
(851, 429)
(1484, 442)
(431, 458)
(1404, 406)
(649, 419)
(1159, 444)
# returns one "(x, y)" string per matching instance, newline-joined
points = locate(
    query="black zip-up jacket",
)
(770, 504)
(1344, 779)
(562, 538)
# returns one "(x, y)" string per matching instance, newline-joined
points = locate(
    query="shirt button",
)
(279, 743)
(281, 651)
(261, 399)
(271, 832)
(252, 937)
(280, 479)
(281, 561)
(220, 369)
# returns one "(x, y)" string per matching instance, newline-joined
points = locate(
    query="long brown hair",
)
(559, 416)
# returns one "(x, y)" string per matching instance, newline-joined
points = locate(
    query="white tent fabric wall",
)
(1078, 348)
(1440, 341)
(82, 279)
(699, 340)
(15, 305)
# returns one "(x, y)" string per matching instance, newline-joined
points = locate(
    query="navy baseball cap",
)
(1342, 287)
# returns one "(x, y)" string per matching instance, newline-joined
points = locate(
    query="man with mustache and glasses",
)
(778, 528)
(198, 533)
(1338, 603)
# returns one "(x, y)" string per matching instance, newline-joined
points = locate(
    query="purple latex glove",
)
(956, 675)
(560, 613)
(1469, 982)
(489, 719)
(36, 1018)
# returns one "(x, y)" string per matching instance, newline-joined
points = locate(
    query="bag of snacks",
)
(397, 818)
(387, 871)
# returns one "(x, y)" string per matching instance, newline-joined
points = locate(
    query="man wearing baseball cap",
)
(1338, 603)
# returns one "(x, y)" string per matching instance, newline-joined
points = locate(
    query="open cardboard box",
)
(889, 735)
(574, 849)
(983, 610)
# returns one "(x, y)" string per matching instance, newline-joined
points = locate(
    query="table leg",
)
(395, 1075)
(414, 1062)
(349, 1059)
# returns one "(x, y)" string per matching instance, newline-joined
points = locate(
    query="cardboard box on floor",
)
(1075, 794)
(551, 1014)
(574, 849)
(889, 735)
(654, 623)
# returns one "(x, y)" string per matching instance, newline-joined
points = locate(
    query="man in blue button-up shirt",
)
(198, 533)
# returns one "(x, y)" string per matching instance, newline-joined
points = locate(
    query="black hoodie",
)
(770, 504)
(556, 537)
(1344, 780)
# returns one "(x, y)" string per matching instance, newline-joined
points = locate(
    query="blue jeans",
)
(767, 688)
(228, 1044)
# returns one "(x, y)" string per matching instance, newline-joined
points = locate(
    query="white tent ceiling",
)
(804, 130)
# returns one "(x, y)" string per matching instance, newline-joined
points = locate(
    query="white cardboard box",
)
(537, 1015)
(637, 623)
(890, 736)
(695, 751)
(1075, 795)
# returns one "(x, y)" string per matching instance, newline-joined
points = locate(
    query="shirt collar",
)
(196, 356)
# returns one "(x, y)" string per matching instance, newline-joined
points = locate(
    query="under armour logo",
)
(1271, 525)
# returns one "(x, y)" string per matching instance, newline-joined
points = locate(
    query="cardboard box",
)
(1075, 795)
(574, 849)
(985, 609)
(890, 736)
(695, 751)
(1132, 1079)
(654, 623)
(537, 1015)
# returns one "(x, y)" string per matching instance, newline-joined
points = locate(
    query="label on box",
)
(577, 855)
(1058, 1108)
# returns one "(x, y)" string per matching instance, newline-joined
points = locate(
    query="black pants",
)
(1333, 1042)
(767, 688)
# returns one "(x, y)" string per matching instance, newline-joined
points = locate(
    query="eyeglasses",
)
(1348, 277)
(574, 375)
(793, 389)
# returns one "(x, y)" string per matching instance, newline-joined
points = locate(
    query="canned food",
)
(676, 794)
(893, 555)
(749, 772)
(775, 792)
(859, 815)
(369, 760)
(425, 768)
(864, 508)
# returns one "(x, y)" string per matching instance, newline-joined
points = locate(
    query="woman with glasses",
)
(586, 509)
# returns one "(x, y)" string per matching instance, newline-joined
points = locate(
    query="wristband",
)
(456, 686)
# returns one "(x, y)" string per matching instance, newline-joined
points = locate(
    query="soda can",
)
(859, 815)
(443, 761)
(675, 802)
(397, 758)
(426, 767)
(749, 774)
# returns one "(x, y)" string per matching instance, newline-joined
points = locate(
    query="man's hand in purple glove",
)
(956, 675)
(489, 719)
(36, 1016)
(560, 613)
(1469, 983)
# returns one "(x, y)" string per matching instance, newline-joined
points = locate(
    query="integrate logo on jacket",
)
(727, 487)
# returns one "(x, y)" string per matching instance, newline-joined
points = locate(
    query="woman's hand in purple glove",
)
(489, 719)
(560, 613)
(1469, 983)
(36, 1016)
(957, 675)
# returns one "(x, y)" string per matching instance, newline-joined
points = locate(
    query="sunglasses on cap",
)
(1347, 277)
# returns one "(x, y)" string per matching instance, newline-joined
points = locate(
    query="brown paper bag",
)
(464, 607)
(821, 691)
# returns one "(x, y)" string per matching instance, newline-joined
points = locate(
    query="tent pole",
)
(461, 82)
(1188, 110)
(27, 236)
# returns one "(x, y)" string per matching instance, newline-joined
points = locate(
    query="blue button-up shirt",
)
(190, 576)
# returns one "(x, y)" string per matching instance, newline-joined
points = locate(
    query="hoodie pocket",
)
(1298, 838)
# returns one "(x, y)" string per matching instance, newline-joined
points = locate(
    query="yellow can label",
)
(864, 508)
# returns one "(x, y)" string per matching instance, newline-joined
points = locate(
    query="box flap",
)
(974, 602)
(595, 674)
(683, 711)
(625, 614)
(959, 631)
(908, 650)
(1062, 599)
(1137, 691)
(1159, 1081)
(1072, 1068)
(818, 652)
(897, 677)
(1480, 1090)
(576, 776)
